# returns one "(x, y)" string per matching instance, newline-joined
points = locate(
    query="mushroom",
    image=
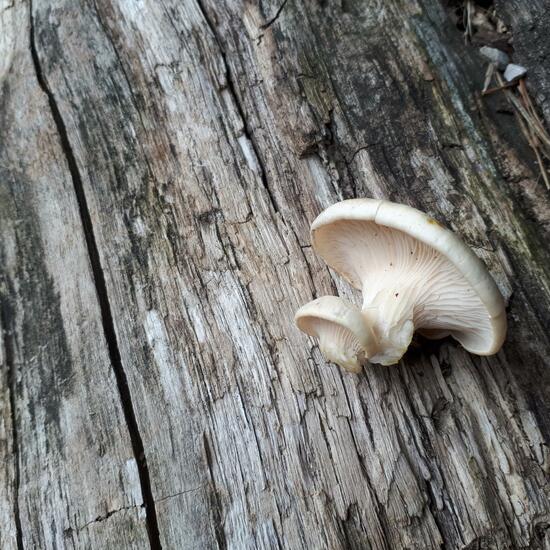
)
(414, 275)
(344, 338)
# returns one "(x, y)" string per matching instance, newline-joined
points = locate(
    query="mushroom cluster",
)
(414, 275)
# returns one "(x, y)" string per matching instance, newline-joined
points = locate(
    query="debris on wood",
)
(513, 72)
(488, 91)
(498, 57)
(529, 121)
(482, 26)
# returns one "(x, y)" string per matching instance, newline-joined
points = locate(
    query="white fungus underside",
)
(337, 343)
(403, 277)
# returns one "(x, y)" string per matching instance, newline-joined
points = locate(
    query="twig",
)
(533, 124)
(542, 168)
(537, 123)
(531, 139)
(506, 85)
(488, 77)
(467, 19)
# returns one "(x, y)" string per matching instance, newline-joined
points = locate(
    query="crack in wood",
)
(179, 493)
(103, 299)
(217, 508)
(238, 105)
(106, 516)
(275, 17)
(5, 316)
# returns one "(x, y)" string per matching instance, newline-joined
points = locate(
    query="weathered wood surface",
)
(69, 477)
(173, 154)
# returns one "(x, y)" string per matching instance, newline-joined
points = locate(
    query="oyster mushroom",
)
(414, 275)
(344, 338)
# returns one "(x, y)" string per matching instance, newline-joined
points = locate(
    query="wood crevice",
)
(275, 17)
(106, 516)
(7, 336)
(217, 506)
(231, 88)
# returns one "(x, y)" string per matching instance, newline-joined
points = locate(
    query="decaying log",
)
(160, 164)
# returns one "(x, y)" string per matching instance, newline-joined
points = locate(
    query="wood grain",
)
(69, 478)
(206, 137)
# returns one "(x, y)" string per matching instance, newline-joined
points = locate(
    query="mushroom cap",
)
(340, 327)
(366, 240)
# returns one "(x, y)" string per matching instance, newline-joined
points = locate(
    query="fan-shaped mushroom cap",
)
(343, 336)
(414, 274)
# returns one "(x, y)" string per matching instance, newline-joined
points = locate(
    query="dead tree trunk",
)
(160, 164)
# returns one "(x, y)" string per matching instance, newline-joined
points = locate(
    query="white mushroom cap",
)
(414, 274)
(343, 336)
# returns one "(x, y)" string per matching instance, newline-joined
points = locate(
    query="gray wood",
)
(69, 477)
(205, 139)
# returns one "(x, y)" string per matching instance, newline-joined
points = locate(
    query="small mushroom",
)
(513, 72)
(414, 274)
(498, 57)
(344, 338)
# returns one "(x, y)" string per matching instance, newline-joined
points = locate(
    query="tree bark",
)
(160, 164)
